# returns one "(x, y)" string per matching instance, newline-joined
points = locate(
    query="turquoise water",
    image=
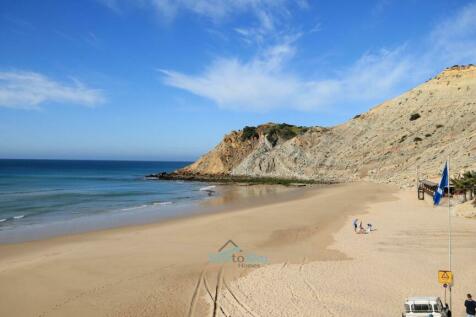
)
(40, 192)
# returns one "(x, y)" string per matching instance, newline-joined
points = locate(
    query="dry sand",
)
(400, 259)
(318, 266)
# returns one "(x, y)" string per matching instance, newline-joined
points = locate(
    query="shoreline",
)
(226, 198)
(313, 260)
(154, 268)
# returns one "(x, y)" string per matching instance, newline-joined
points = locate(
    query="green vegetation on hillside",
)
(414, 116)
(249, 133)
(283, 131)
(273, 132)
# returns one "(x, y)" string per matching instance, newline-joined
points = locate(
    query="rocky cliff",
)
(415, 131)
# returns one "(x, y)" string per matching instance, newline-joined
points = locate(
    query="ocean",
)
(47, 197)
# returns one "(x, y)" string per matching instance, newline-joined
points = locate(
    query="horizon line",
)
(98, 160)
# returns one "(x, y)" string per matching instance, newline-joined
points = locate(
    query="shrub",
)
(417, 139)
(427, 135)
(414, 116)
(438, 126)
(249, 133)
(283, 131)
(403, 138)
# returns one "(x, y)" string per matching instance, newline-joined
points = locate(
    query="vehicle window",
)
(407, 308)
(436, 308)
(422, 308)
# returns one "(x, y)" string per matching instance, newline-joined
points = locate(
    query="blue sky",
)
(165, 80)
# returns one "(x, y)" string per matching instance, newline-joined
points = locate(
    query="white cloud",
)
(454, 40)
(20, 89)
(256, 85)
(232, 84)
(267, 13)
(263, 83)
(215, 9)
(266, 81)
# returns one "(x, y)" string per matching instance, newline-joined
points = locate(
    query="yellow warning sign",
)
(445, 277)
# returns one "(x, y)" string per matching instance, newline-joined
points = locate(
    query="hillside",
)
(418, 129)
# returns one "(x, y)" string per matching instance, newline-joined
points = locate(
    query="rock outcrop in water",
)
(418, 129)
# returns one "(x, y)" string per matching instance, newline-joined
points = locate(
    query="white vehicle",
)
(424, 306)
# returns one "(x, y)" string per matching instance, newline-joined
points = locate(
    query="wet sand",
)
(220, 198)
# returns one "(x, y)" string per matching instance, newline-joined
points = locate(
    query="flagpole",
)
(449, 224)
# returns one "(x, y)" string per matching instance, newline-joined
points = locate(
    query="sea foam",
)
(208, 188)
(134, 208)
(162, 203)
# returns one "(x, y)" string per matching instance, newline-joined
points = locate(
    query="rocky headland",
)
(414, 132)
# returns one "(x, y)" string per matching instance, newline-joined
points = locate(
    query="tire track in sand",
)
(207, 287)
(245, 307)
(313, 289)
(218, 291)
(195, 295)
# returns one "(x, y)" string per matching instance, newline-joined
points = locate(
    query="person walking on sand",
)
(470, 305)
(355, 224)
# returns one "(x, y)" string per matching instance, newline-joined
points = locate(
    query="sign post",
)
(449, 231)
(445, 278)
(445, 286)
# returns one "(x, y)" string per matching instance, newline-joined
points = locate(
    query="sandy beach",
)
(317, 265)
(208, 158)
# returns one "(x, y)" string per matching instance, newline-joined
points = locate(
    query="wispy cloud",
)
(263, 83)
(267, 13)
(255, 85)
(454, 40)
(381, 6)
(215, 9)
(28, 90)
(267, 81)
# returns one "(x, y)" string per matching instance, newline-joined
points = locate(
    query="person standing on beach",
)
(470, 305)
(447, 310)
(355, 224)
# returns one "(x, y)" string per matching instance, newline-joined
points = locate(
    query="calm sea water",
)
(36, 192)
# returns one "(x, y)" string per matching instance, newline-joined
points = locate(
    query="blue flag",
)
(441, 186)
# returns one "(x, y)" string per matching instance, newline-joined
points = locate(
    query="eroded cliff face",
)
(417, 130)
(238, 145)
(224, 157)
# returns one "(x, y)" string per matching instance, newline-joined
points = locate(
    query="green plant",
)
(283, 131)
(249, 133)
(465, 183)
(470, 177)
(414, 116)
